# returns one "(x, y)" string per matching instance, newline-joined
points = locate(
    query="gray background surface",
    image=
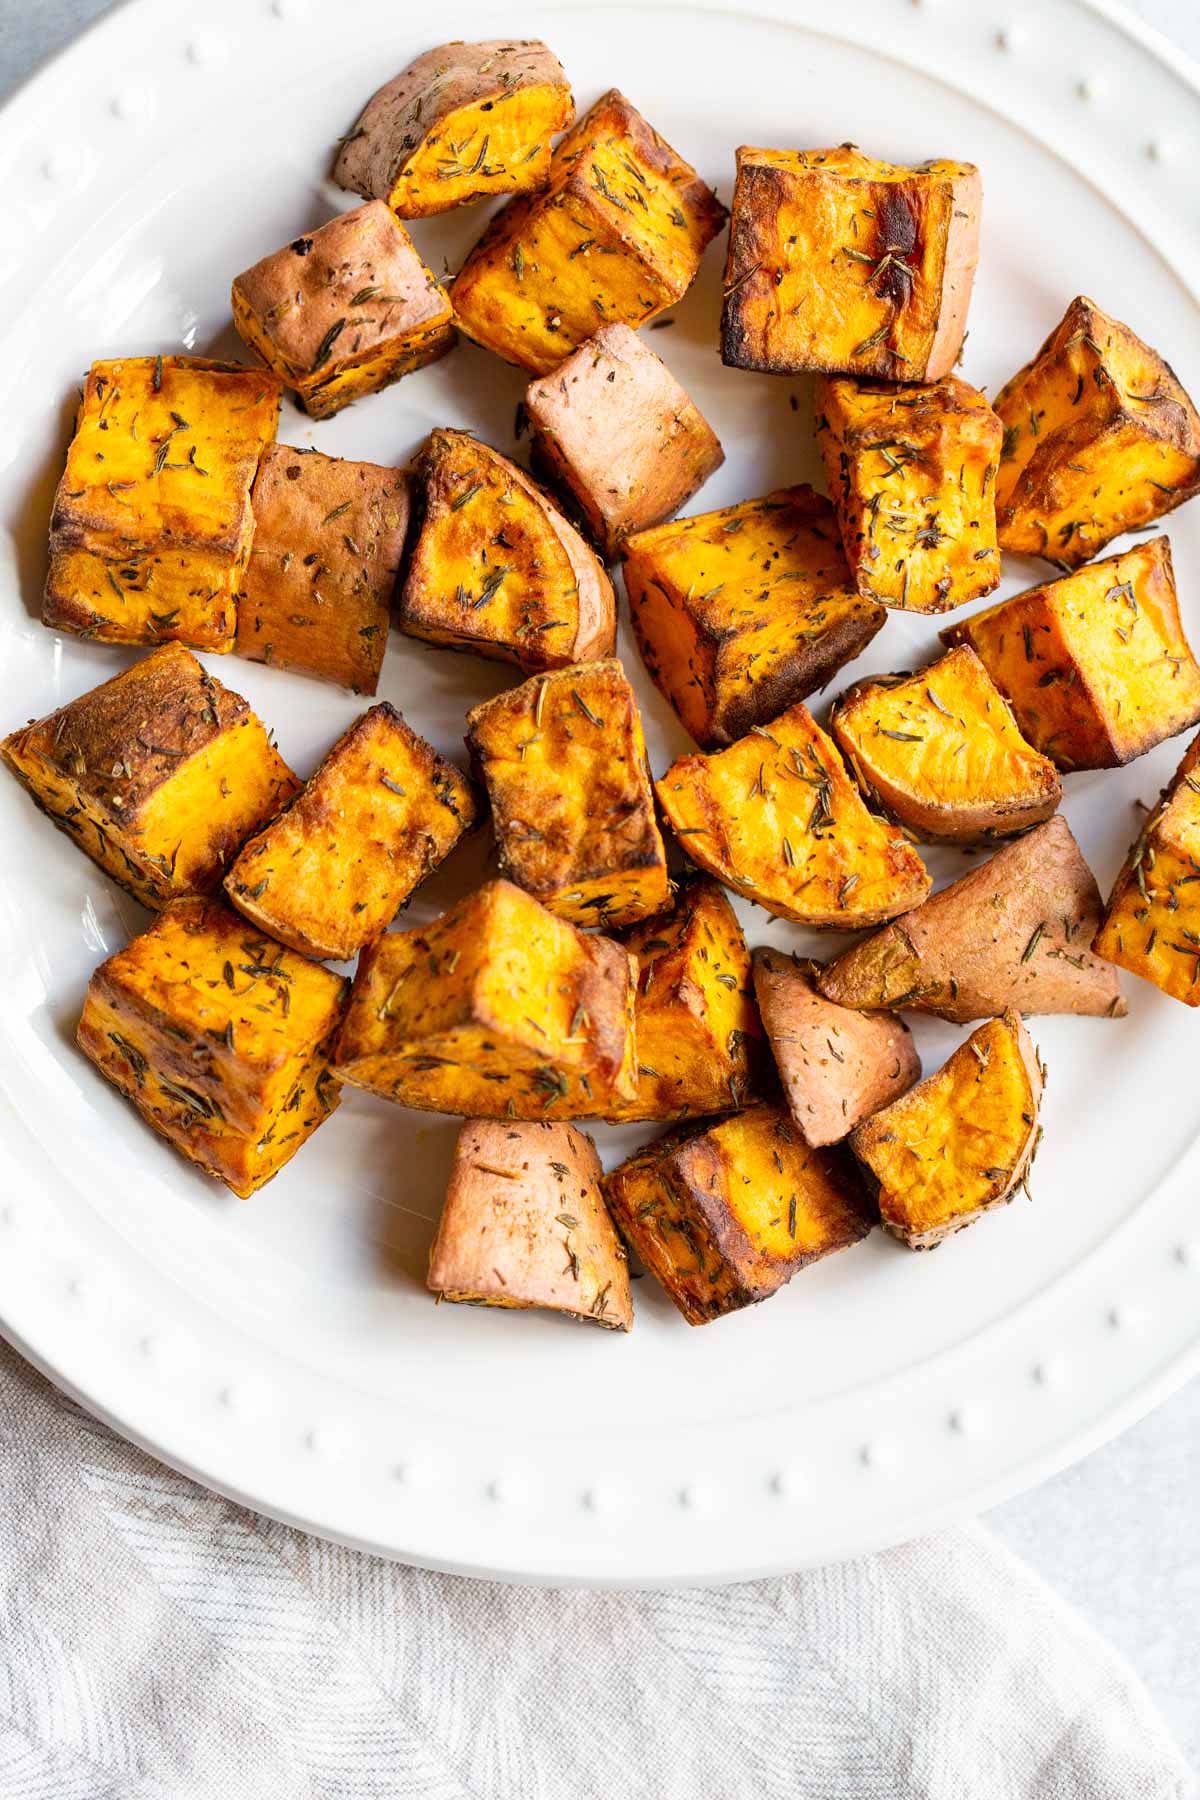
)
(1118, 1535)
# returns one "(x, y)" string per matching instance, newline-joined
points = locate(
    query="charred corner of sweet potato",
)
(1151, 925)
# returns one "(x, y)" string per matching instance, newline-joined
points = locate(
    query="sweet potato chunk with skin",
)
(614, 429)
(497, 569)
(331, 873)
(328, 539)
(158, 775)
(617, 235)
(778, 820)
(525, 1225)
(740, 613)
(941, 752)
(151, 525)
(961, 1141)
(344, 310)
(220, 1038)
(1099, 438)
(1016, 931)
(912, 471)
(1095, 665)
(498, 1009)
(1151, 925)
(699, 1038)
(724, 1215)
(463, 122)
(842, 263)
(837, 1066)
(563, 760)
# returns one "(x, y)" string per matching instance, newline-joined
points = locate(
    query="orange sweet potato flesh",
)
(1151, 925)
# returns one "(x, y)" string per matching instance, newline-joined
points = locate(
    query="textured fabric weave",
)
(160, 1643)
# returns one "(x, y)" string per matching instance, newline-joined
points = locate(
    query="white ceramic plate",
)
(284, 1350)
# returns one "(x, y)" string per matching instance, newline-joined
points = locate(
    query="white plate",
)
(284, 1350)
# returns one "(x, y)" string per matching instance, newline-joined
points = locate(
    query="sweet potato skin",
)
(841, 263)
(462, 122)
(497, 569)
(941, 752)
(613, 428)
(158, 775)
(1015, 932)
(1095, 665)
(1151, 924)
(525, 1225)
(563, 759)
(328, 540)
(837, 1066)
(959, 1143)
(1100, 437)
(739, 613)
(499, 1009)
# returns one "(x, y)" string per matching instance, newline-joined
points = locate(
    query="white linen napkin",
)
(160, 1643)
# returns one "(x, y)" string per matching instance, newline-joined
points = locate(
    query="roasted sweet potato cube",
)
(699, 1038)
(328, 539)
(463, 122)
(941, 752)
(1016, 931)
(778, 820)
(158, 775)
(617, 235)
(382, 811)
(497, 569)
(740, 613)
(499, 1009)
(525, 1224)
(1152, 922)
(1099, 438)
(1095, 665)
(724, 1215)
(842, 263)
(563, 760)
(344, 310)
(613, 428)
(220, 1038)
(959, 1142)
(151, 524)
(912, 471)
(837, 1066)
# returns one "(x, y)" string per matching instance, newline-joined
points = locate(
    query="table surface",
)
(1118, 1536)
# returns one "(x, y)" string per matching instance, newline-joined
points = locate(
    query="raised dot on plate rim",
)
(1050, 1372)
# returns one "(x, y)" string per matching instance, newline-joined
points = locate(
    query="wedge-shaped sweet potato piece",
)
(525, 1225)
(617, 235)
(613, 428)
(563, 760)
(498, 1009)
(940, 750)
(837, 1066)
(912, 471)
(1152, 922)
(1099, 438)
(497, 569)
(463, 122)
(777, 819)
(220, 1038)
(740, 613)
(331, 873)
(699, 1037)
(1095, 665)
(723, 1215)
(842, 263)
(1017, 931)
(158, 775)
(328, 539)
(151, 524)
(961, 1141)
(344, 310)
